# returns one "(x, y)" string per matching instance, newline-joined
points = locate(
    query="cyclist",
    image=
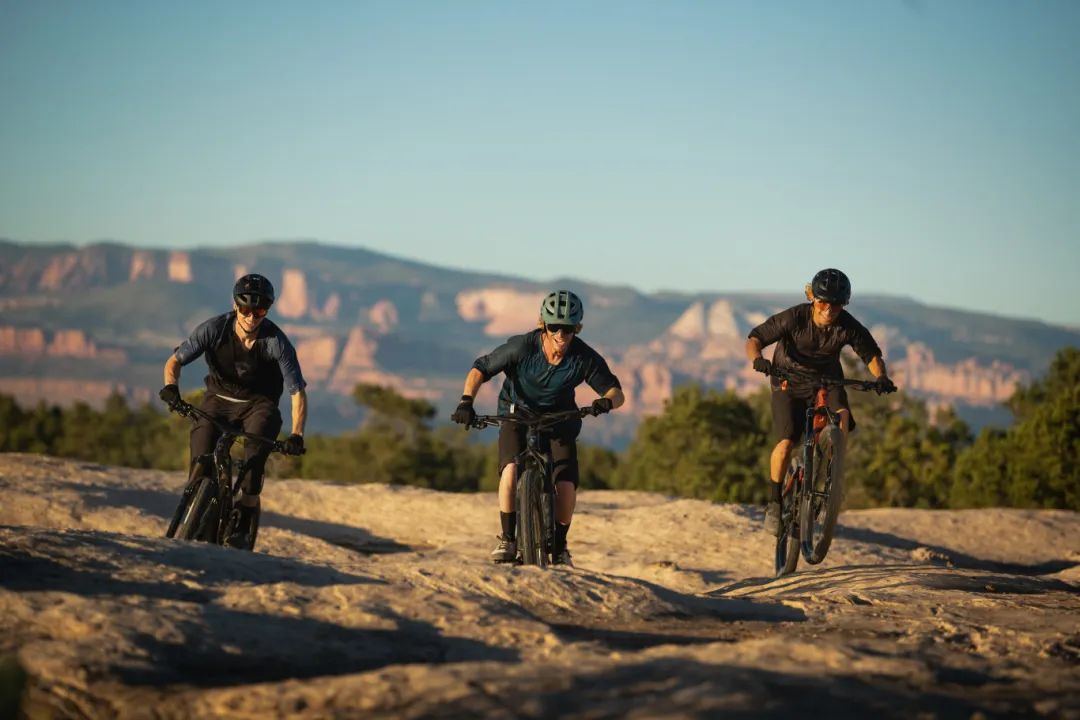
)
(250, 361)
(542, 368)
(809, 338)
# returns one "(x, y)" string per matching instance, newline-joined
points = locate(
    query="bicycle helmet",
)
(561, 307)
(832, 286)
(253, 291)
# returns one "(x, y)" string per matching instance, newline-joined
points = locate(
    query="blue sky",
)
(928, 148)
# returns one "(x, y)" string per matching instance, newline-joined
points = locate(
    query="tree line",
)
(705, 444)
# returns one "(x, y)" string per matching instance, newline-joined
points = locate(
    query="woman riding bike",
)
(542, 369)
(809, 337)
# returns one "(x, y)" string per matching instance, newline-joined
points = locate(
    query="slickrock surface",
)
(372, 601)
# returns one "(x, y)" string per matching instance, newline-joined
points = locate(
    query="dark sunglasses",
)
(824, 303)
(256, 311)
(565, 329)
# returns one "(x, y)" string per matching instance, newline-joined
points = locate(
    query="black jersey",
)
(802, 345)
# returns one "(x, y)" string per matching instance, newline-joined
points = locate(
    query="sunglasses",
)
(565, 329)
(825, 304)
(256, 311)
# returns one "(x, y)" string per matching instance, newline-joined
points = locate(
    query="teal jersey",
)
(534, 383)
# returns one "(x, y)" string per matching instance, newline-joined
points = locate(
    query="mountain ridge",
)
(360, 315)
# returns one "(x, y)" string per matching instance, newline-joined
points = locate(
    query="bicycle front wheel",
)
(530, 530)
(787, 543)
(195, 518)
(821, 505)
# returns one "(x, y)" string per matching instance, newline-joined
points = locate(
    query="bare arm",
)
(877, 367)
(299, 411)
(753, 349)
(616, 396)
(172, 371)
(473, 381)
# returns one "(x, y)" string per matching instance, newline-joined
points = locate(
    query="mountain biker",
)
(809, 338)
(542, 369)
(250, 361)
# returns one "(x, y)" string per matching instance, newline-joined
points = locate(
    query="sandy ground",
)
(372, 601)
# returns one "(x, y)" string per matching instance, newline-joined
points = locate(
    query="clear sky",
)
(929, 148)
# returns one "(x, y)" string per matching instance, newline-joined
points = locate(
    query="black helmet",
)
(832, 286)
(253, 291)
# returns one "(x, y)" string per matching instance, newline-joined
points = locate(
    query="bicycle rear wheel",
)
(530, 530)
(195, 522)
(821, 507)
(787, 543)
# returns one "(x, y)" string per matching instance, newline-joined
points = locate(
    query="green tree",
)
(1036, 462)
(705, 444)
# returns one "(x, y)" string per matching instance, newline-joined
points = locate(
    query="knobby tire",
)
(821, 513)
(787, 544)
(530, 531)
(193, 524)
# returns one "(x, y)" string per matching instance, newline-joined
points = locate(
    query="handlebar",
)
(792, 375)
(186, 409)
(538, 421)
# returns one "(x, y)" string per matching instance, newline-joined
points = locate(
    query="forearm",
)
(172, 371)
(473, 381)
(616, 396)
(299, 412)
(753, 349)
(877, 367)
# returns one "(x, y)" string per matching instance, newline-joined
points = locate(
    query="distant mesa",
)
(383, 316)
(33, 342)
(180, 267)
(506, 311)
(293, 300)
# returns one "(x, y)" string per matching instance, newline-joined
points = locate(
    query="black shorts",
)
(561, 439)
(258, 417)
(789, 411)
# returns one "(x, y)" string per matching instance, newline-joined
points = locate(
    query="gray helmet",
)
(832, 286)
(561, 307)
(253, 291)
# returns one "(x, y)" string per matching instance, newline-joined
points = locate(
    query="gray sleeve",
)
(505, 356)
(201, 339)
(285, 354)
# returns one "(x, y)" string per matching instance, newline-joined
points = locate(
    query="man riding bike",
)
(250, 361)
(542, 369)
(809, 338)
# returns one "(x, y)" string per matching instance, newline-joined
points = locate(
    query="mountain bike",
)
(813, 488)
(207, 509)
(534, 492)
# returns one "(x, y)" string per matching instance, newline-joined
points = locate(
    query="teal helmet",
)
(561, 307)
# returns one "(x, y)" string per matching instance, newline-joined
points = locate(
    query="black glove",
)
(170, 394)
(884, 385)
(293, 445)
(464, 414)
(762, 365)
(602, 405)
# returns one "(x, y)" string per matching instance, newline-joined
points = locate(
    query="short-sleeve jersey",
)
(534, 383)
(237, 372)
(802, 345)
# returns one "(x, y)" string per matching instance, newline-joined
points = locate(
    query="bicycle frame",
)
(218, 466)
(533, 455)
(809, 499)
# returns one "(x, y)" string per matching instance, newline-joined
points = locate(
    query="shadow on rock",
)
(345, 536)
(160, 503)
(953, 557)
(675, 687)
(228, 647)
(93, 563)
